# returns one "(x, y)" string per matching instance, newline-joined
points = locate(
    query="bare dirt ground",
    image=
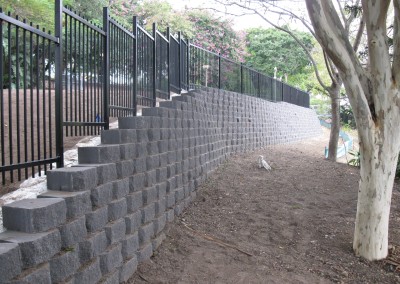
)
(291, 225)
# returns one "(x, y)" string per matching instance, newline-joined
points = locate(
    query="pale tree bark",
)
(374, 95)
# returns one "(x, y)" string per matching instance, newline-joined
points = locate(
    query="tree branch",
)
(323, 85)
(360, 32)
(332, 37)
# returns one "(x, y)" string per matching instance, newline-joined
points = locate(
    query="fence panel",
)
(83, 76)
(184, 64)
(27, 99)
(122, 75)
(174, 64)
(230, 75)
(203, 68)
(162, 66)
(145, 71)
(249, 81)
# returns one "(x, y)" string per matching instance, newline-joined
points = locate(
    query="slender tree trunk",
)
(335, 125)
(378, 168)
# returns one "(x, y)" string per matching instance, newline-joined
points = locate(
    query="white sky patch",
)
(32, 187)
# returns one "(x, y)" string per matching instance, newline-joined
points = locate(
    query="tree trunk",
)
(335, 125)
(378, 168)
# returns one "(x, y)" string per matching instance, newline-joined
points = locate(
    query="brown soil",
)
(291, 225)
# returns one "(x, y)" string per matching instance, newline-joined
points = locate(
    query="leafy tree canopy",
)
(269, 48)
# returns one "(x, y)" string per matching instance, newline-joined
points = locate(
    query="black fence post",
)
(154, 64)
(58, 84)
(135, 63)
(179, 62)
(188, 65)
(169, 62)
(106, 66)
(241, 78)
(219, 70)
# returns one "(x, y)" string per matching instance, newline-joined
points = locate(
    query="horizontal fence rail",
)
(72, 82)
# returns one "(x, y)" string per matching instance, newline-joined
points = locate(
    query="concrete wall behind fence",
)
(99, 219)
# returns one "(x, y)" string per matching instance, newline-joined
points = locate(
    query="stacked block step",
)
(100, 219)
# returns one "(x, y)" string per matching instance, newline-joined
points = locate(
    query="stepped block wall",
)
(101, 218)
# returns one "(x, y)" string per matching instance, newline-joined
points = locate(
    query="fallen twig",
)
(213, 239)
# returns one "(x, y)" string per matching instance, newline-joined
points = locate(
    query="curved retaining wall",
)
(99, 219)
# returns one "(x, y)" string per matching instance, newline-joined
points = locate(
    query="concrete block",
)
(118, 136)
(140, 165)
(92, 246)
(105, 172)
(171, 185)
(117, 209)
(125, 168)
(34, 215)
(101, 154)
(128, 269)
(164, 159)
(72, 179)
(73, 232)
(154, 134)
(163, 146)
(145, 252)
(89, 273)
(64, 264)
(111, 259)
(128, 151)
(97, 219)
(152, 148)
(102, 195)
(134, 201)
(170, 200)
(157, 241)
(148, 213)
(142, 135)
(130, 246)
(179, 207)
(161, 189)
(141, 150)
(111, 278)
(151, 178)
(171, 157)
(120, 188)
(152, 162)
(78, 203)
(149, 195)
(10, 259)
(171, 170)
(159, 224)
(161, 174)
(179, 194)
(170, 215)
(40, 274)
(136, 182)
(35, 248)
(133, 222)
(134, 122)
(146, 232)
(161, 206)
(115, 231)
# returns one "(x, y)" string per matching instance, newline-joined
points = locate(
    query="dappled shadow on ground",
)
(291, 225)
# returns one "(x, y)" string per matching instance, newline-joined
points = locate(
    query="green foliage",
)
(347, 116)
(269, 48)
(355, 160)
(321, 104)
(217, 35)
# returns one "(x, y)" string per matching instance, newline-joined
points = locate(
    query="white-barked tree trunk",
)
(374, 94)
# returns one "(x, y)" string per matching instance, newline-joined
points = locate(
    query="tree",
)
(269, 48)
(217, 35)
(260, 8)
(374, 94)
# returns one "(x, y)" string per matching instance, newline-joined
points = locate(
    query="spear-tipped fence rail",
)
(72, 82)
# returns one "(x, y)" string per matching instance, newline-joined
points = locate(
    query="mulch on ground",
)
(293, 224)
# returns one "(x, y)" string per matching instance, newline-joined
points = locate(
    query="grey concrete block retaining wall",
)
(99, 219)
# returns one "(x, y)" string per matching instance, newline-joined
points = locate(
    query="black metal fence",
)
(71, 83)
